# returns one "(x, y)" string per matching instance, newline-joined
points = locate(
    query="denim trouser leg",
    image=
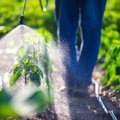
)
(91, 22)
(57, 9)
(67, 15)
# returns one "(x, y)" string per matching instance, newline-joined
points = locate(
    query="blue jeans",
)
(90, 14)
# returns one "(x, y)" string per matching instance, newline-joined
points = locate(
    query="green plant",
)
(111, 29)
(110, 45)
(112, 66)
(33, 62)
(33, 66)
(29, 69)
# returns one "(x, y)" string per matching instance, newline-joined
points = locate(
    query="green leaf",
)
(14, 67)
(27, 65)
(36, 75)
(114, 80)
(16, 74)
(37, 70)
(26, 68)
(35, 78)
(4, 96)
(118, 70)
(6, 109)
(40, 100)
(117, 88)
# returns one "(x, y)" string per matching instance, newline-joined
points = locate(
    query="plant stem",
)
(25, 79)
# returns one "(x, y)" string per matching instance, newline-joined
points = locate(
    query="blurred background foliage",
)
(44, 22)
(110, 45)
(10, 11)
(111, 26)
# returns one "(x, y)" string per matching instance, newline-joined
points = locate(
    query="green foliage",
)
(112, 66)
(117, 88)
(28, 68)
(6, 109)
(34, 71)
(32, 64)
(44, 22)
(110, 46)
(36, 100)
(10, 12)
(17, 71)
(111, 29)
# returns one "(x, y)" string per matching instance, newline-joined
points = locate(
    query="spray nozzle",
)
(21, 22)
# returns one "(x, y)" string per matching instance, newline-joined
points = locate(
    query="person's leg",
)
(91, 23)
(67, 15)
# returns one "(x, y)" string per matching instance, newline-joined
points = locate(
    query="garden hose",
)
(44, 8)
(108, 112)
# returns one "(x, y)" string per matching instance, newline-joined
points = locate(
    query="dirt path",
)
(77, 107)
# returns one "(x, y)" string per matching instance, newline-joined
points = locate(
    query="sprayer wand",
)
(21, 22)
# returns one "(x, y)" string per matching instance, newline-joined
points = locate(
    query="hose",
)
(109, 112)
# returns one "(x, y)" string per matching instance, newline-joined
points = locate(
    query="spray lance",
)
(43, 8)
